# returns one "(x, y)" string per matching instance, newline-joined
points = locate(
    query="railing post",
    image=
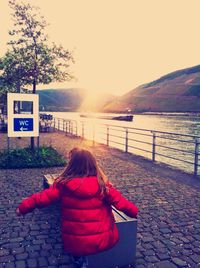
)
(65, 130)
(126, 141)
(58, 124)
(65, 127)
(76, 129)
(196, 157)
(107, 136)
(154, 147)
(72, 127)
(83, 130)
(54, 124)
(38, 142)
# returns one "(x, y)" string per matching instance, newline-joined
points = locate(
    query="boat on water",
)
(128, 117)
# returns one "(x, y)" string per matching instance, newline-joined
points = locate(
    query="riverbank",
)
(171, 113)
(168, 222)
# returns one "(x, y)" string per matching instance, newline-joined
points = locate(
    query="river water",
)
(180, 124)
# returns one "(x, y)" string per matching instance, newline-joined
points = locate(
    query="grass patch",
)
(26, 158)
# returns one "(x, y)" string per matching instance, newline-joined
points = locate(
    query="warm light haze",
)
(119, 45)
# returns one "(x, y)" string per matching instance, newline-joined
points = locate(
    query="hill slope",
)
(60, 99)
(71, 99)
(175, 92)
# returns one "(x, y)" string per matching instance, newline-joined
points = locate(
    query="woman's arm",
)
(116, 199)
(39, 200)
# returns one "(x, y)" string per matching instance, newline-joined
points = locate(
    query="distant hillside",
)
(178, 91)
(71, 99)
(60, 99)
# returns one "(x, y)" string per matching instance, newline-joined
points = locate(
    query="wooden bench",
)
(122, 254)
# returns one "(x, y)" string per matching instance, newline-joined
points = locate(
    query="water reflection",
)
(140, 142)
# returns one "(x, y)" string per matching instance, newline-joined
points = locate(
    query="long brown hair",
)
(83, 164)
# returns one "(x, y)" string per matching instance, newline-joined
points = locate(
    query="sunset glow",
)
(119, 45)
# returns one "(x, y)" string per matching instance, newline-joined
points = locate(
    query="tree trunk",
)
(18, 91)
(34, 86)
(32, 138)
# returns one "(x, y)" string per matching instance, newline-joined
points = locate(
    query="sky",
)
(119, 44)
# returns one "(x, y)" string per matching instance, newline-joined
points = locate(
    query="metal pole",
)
(107, 135)
(154, 147)
(83, 130)
(126, 141)
(76, 129)
(38, 142)
(196, 157)
(64, 126)
(8, 155)
(67, 127)
(70, 128)
(8, 144)
(54, 124)
(58, 124)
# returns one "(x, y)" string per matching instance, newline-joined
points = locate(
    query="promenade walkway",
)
(168, 222)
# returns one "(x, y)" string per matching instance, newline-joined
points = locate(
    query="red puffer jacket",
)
(88, 225)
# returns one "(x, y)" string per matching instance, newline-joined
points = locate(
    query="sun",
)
(92, 101)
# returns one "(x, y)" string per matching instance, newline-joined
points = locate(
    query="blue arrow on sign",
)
(23, 124)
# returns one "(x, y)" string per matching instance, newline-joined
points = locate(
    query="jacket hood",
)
(85, 187)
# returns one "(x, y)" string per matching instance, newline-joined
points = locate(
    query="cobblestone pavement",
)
(168, 222)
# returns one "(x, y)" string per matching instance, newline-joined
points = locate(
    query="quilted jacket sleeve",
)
(116, 199)
(39, 200)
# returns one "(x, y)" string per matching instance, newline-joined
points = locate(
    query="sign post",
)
(24, 123)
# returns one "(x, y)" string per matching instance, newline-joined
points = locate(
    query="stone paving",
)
(168, 222)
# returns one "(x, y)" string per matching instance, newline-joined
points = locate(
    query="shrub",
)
(27, 158)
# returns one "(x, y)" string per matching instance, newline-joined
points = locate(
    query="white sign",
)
(23, 123)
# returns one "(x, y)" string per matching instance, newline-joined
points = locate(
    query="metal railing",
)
(66, 125)
(159, 146)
